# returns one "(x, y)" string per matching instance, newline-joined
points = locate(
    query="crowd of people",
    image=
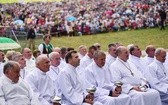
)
(51, 75)
(71, 17)
(84, 77)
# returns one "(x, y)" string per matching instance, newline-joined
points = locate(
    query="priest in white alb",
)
(157, 75)
(99, 76)
(135, 85)
(71, 84)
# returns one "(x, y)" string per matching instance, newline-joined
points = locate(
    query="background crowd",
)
(84, 17)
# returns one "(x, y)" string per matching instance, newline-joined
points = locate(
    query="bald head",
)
(27, 53)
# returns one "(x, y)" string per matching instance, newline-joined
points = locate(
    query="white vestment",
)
(127, 73)
(166, 61)
(53, 74)
(109, 60)
(71, 87)
(147, 60)
(42, 86)
(157, 76)
(80, 56)
(62, 63)
(23, 73)
(102, 80)
(15, 93)
(84, 62)
(1, 68)
(30, 64)
(138, 63)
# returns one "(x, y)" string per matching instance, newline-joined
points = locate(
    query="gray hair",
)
(16, 56)
(9, 66)
(98, 53)
(52, 54)
(40, 58)
(159, 50)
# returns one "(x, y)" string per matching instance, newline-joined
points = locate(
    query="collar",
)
(158, 62)
(134, 57)
(41, 72)
(9, 80)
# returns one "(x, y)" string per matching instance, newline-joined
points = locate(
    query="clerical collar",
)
(70, 66)
(9, 80)
(134, 57)
(54, 69)
(41, 72)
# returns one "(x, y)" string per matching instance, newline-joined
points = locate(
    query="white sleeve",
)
(40, 48)
(2, 95)
(67, 89)
(29, 79)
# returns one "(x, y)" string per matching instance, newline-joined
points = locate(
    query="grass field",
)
(141, 37)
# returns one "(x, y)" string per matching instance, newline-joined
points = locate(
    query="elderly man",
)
(134, 82)
(71, 85)
(13, 90)
(18, 57)
(30, 60)
(157, 75)
(40, 82)
(54, 67)
(100, 77)
(149, 58)
(2, 56)
(111, 57)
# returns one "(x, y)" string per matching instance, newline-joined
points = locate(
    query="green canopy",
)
(8, 44)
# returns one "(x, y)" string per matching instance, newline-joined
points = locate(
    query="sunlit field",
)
(142, 38)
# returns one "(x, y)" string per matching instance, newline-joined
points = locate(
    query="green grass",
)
(141, 37)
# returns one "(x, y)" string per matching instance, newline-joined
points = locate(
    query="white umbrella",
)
(8, 44)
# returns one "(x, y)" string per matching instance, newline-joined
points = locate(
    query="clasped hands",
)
(89, 98)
